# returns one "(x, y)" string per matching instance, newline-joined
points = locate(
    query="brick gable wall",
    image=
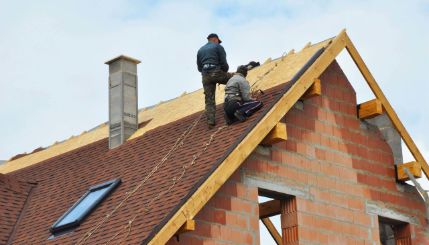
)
(337, 166)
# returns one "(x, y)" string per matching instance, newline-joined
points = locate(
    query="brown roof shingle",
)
(13, 195)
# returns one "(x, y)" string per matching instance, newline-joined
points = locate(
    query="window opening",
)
(278, 218)
(393, 232)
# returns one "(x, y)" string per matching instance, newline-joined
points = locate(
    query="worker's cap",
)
(214, 35)
(242, 70)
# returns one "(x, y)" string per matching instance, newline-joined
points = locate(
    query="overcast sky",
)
(52, 53)
(54, 81)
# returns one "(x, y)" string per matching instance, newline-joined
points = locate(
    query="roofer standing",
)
(239, 105)
(211, 62)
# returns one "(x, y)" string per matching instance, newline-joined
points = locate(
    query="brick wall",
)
(335, 164)
(230, 217)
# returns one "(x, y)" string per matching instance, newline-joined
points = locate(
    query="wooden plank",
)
(314, 90)
(277, 134)
(188, 226)
(386, 105)
(233, 161)
(414, 168)
(272, 230)
(370, 109)
(269, 208)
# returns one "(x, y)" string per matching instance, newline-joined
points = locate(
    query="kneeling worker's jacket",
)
(237, 88)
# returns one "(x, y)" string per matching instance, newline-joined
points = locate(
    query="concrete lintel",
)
(284, 189)
(374, 209)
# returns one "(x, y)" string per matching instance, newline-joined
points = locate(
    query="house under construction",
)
(330, 168)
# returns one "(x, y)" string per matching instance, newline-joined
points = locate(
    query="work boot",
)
(211, 125)
(228, 121)
(240, 116)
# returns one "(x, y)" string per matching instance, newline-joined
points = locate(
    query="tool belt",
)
(232, 98)
(208, 67)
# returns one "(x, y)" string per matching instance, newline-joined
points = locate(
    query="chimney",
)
(123, 121)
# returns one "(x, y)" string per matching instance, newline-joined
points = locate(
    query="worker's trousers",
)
(244, 108)
(210, 79)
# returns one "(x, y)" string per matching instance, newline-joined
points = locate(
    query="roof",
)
(13, 195)
(173, 160)
(95, 163)
(172, 110)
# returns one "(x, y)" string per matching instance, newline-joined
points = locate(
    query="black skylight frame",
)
(109, 185)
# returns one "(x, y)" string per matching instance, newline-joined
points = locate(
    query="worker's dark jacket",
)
(210, 56)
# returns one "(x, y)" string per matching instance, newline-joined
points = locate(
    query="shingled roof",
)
(169, 168)
(13, 195)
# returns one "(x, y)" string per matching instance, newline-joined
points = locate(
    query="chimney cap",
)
(135, 61)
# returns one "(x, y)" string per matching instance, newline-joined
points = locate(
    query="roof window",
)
(84, 206)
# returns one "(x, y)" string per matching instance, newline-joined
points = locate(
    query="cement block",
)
(390, 135)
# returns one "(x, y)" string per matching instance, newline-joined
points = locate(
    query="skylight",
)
(84, 206)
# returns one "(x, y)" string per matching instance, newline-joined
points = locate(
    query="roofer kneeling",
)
(239, 105)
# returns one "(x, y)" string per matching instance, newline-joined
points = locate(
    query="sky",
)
(52, 53)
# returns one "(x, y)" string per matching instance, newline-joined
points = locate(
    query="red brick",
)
(219, 216)
(356, 204)
(237, 220)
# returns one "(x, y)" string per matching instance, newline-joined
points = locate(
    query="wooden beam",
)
(272, 230)
(386, 105)
(233, 161)
(370, 109)
(314, 90)
(269, 208)
(414, 167)
(188, 226)
(277, 134)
